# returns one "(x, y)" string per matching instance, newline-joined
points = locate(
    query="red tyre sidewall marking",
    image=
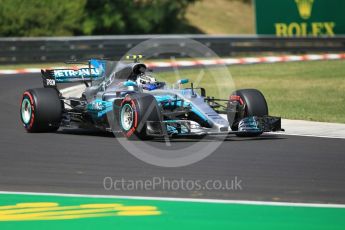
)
(32, 109)
(135, 124)
(241, 101)
(236, 98)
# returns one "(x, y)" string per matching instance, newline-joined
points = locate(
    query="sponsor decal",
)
(84, 72)
(305, 29)
(51, 82)
(300, 18)
(304, 8)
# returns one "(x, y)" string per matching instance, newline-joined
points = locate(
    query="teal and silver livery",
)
(123, 97)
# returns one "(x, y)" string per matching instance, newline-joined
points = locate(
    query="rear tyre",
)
(134, 111)
(41, 110)
(245, 103)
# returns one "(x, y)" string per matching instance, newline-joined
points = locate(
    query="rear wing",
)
(95, 71)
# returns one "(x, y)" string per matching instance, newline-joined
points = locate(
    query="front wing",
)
(247, 126)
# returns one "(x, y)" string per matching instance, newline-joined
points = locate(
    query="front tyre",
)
(41, 110)
(134, 112)
(246, 103)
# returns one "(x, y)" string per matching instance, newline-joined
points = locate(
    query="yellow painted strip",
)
(138, 213)
(32, 205)
(68, 217)
(61, 217)
(101, 205)
(136, 208)
(61, 213)
(7, 207)
(52, 211)
(28, 210)
(37, 204)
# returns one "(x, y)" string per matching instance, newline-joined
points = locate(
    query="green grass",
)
(297, 90)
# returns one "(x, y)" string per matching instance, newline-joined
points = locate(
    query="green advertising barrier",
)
(286, 18)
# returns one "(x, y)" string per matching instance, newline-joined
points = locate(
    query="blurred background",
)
(304, 38)
(108, 17)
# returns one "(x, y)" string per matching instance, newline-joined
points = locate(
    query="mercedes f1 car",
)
(125, 97)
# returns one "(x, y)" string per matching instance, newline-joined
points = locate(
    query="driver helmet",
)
(147, 82)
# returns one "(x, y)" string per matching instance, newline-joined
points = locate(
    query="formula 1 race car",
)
(125, 97)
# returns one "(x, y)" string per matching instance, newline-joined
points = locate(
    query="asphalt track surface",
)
(272, 168)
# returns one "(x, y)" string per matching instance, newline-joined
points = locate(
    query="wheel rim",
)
(26, 111)
(127, 117)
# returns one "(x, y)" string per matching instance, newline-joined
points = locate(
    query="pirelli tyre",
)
(135, 110)
(41, 110)
(245, 103)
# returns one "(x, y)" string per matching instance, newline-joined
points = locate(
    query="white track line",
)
(310, 129)
(175, 199)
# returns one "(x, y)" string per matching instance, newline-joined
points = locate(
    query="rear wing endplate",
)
(54, 76)
(95, 71)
